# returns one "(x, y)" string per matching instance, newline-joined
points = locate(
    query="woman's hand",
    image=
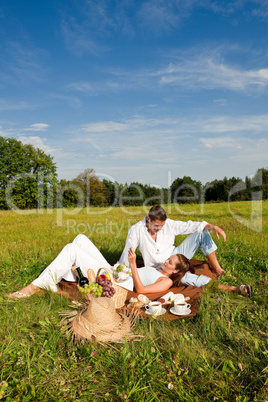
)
(161, 285)
(131, 256)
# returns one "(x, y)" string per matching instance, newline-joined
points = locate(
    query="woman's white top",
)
(148, 276)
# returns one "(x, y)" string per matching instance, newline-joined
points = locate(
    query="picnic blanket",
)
(201, 268)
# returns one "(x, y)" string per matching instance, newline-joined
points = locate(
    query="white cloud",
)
(208, 72)
(84, 87)
(236, 150)
(254, 151)
(84, 29)
(188, 145)
(37, 127)
(165, 129)
(195, 69)
(95, 88)
(37, 142)
(24, 63)
(160, 15)
(5, 133)
(73, 101)
(158, 153)
(261, 12)
(181, 144)
(229, 124)
(77, 38)
(19, 105)
(222, 142)
(149, 148)
(104, 126)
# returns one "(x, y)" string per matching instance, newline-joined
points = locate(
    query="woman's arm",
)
(161, 285)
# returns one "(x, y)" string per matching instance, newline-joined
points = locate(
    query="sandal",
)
(245, 290)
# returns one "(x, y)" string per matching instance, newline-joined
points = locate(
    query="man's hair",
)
(157, 213)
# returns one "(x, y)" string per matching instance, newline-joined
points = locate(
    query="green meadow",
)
(219, 355)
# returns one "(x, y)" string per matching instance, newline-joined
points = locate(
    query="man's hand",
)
(217, 230)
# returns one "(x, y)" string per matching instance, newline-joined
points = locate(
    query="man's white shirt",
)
(154, 253)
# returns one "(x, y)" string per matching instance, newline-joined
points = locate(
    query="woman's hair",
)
(157, 213)
(183, 265)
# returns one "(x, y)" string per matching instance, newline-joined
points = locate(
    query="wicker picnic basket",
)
(120, 295)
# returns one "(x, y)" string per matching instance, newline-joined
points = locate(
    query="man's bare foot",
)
(214, 264)
(25, 292)
(218, 272)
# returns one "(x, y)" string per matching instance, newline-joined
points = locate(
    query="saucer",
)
(163, 310)
(186, 312)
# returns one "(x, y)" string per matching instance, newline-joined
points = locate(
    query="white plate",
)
(163, 310)
(186, 312)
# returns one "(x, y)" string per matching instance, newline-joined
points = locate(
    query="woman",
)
(83, 253)
(176, 270)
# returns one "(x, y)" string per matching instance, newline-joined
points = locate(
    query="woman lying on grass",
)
(176, 270)
(83, 253)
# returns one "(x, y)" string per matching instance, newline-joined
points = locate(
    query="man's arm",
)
(217, 230)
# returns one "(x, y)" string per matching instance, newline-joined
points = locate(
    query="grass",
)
(219, 355)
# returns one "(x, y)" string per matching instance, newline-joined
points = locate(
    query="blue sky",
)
(143, 91)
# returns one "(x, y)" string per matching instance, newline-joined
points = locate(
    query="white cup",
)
(179, 298)
(154, 307)
(181, 307)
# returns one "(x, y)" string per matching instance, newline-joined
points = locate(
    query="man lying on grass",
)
(177, 269)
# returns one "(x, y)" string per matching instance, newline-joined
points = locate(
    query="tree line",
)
(28, 180)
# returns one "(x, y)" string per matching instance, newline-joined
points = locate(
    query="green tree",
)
(94, 190)
(27, 175)
(232, 189)
(260, 182)
(67, 196)
(185, 190)
(133, 194)
(154, 195)
(112, 191)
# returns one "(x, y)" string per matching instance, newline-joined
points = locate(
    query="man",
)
(155, 236)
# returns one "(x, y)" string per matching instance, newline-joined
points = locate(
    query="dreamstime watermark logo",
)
(48, 200)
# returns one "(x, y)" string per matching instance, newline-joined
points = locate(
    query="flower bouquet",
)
(121, 272)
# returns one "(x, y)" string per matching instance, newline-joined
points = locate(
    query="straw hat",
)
(101, 322)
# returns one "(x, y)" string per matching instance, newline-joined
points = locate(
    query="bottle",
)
(82, 279)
